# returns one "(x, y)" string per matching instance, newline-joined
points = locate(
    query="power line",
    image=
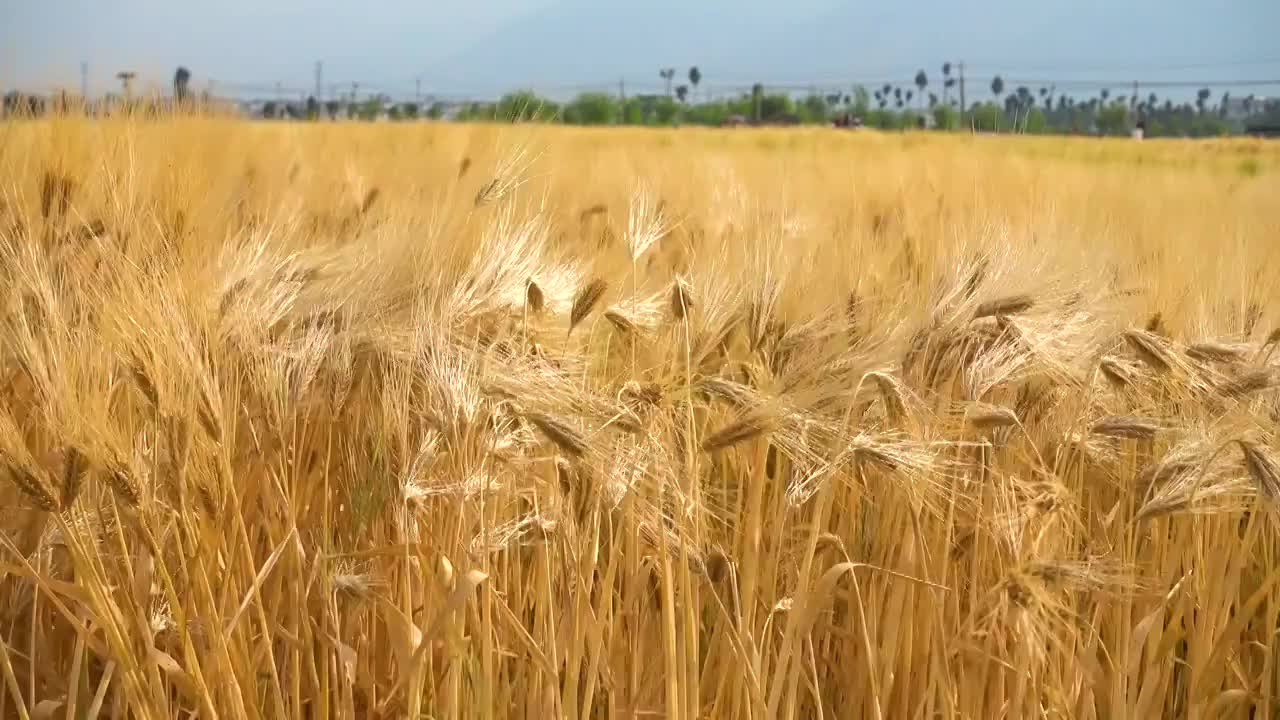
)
(1172, 84)
(1157, 66)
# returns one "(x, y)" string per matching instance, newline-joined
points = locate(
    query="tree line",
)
(892, 107)
(919, 104)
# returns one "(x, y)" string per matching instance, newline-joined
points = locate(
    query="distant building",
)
(1241, 108)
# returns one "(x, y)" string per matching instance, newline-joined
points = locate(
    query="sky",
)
(481, 48)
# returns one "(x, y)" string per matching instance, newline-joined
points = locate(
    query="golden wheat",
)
(309, 421)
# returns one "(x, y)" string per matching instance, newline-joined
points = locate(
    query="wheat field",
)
(466, 421)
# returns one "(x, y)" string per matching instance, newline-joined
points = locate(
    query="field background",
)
(487, 421)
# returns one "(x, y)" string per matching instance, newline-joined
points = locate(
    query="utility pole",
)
(319, 81)
(417, 90)
(962, 105)
(84, 82)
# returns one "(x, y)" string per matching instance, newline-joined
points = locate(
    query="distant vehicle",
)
(847, 120)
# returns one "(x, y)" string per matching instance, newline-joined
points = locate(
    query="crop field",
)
(486, 421)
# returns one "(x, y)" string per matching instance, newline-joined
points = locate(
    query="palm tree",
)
(695, 77)
(126, 82)
(667, 74)
(682, 92)
(922, 81)
(997, 86)
(1202, 97)
(181, 79)
(1105, 94)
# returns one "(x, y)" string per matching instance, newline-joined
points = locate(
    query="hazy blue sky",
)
(483, 47)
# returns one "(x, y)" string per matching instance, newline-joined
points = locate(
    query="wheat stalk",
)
(560, 433)
(585, 301)
(1011, 305)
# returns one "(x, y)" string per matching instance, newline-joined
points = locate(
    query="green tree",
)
(682, 93)
(861, 100)
(1112, 120)
(922, 82)
(884, 120)
(1035, 122)
(997, 86)
(633, 111)
(525, 105)
(814, 110)
(695, 77)
(986, 116)
(711, 113)
(593, 108)
(776, 106)
(945, 117)
(665, 110)
(410, 110)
